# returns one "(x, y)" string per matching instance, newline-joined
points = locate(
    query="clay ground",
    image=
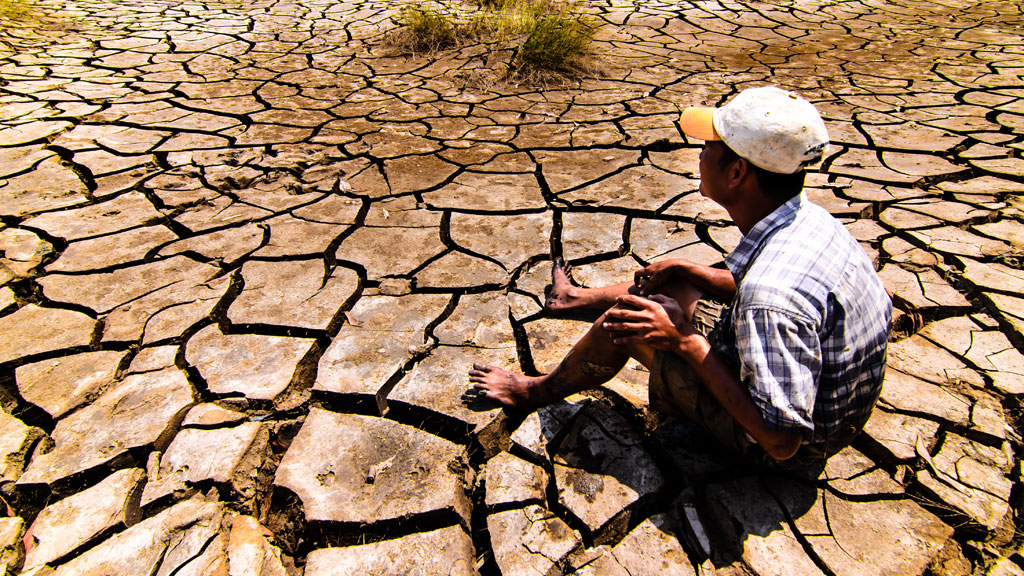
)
(249, 253)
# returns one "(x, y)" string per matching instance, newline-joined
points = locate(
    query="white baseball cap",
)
(773, 129)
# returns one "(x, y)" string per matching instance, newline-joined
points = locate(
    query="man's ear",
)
(739, 171)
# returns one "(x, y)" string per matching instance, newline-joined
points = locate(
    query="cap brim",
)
(699, 123)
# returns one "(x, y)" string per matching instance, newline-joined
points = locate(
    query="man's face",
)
(712, 173)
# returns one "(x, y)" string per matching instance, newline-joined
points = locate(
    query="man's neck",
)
(756, 207)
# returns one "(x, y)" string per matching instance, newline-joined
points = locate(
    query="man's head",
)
(777, 132)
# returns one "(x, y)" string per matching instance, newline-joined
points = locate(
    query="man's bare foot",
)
(906, 317)
(508, 388)
(563, 295)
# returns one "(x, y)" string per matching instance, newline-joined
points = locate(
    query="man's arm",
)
(724, 384)
(658, 322)
(716, 281)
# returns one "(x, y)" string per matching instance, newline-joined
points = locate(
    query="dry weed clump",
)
(425, 27)
(14, 11)
(543, 35)
(26, 14)
(556, 41)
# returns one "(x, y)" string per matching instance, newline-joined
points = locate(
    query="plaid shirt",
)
(809, 324)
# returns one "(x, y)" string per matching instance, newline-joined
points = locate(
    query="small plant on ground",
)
(543, 35)
(557, 39)
(425, 27)
(14, 11)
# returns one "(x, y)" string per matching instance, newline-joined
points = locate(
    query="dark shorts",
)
(675, 390)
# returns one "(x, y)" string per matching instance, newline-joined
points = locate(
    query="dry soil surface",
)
(247, 255)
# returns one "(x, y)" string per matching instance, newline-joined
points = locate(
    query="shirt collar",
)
(739, 259)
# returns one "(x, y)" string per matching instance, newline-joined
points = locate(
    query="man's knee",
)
(686, 295)
(642, 353)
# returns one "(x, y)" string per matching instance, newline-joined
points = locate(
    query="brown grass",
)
(543, 36)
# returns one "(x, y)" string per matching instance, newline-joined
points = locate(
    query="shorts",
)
(675, 390)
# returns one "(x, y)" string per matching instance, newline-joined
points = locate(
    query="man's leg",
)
(687, 295)
(594, 360)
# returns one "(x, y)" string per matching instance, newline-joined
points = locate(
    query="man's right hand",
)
(653, 278)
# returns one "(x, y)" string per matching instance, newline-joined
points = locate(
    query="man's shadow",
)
(720, 507)
(727, 511)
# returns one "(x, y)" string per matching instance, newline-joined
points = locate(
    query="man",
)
(780, 357)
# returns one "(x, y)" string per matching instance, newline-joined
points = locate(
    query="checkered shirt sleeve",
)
(780, 359)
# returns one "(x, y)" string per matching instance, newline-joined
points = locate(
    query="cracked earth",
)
(249, 253)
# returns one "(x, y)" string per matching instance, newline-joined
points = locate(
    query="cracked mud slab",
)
(882, 537)
(63, 526)
(255, 366)
(16, 442)
(647, 549)
(163, 543)
(445, 551)
(511, 479)
(530, 540)
(240, 452)
(34, 330)
(291, 294)
(60, 385)
(750, 516)
(357, 469)
(139, 411)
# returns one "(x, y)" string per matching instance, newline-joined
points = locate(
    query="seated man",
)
(780, 357)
